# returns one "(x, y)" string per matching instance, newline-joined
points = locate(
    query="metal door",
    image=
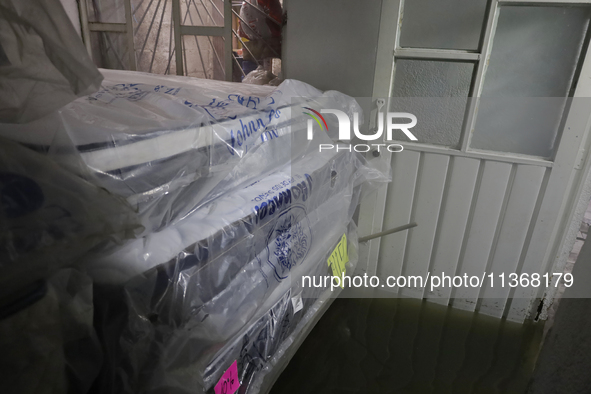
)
(486, 200)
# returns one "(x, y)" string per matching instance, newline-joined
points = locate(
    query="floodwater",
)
(410, 346)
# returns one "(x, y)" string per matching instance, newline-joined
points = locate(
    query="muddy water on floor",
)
(410, 346)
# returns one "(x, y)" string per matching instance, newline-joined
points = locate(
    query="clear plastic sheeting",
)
(50, 217)
(196, 207)
(137, 156)
(259, 373)
(168, 144)
(272, 368)
(238, 218)
(43, 63)
(181, 338)
(260, 76)
(48, 342)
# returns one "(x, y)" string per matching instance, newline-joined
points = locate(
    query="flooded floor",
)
(410, 346)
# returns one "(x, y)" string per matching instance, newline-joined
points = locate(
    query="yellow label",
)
(339, 258)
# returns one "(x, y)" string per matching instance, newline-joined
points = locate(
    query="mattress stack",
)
(196, 207)
(230, 291)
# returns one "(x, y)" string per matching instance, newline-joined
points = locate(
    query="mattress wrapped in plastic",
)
(197, 291)
(236, 224)
(196, 207)
(137, 156)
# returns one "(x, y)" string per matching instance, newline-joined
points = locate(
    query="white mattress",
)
(235, 224)
(204, 203)
(138, 156)
(193, 287)
(168, 144)
(191, 337)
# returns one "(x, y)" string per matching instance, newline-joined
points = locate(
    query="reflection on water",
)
(410, 346)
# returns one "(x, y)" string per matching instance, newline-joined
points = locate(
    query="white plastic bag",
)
(260, 76)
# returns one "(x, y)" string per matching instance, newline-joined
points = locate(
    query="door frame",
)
(568, 183)
(179, 31)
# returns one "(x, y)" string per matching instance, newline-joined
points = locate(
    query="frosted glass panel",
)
(449, 24)
(535, 53)
(436, 93)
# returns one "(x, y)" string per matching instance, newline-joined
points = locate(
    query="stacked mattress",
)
(139, 155)
(165, 148)
(222, 284)
(196, 207)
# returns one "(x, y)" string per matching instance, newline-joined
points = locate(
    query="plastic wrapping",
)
(48, 343)
(141, 154)
(50, 217)
(196, 206)
(262, 360)
(235, 225)
(270, 370)
(260, 76)
(168, 144)
(43, 63)
(188, 315)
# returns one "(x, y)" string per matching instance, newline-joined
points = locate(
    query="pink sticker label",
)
(229, 382)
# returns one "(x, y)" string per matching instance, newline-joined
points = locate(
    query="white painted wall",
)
(331, 44)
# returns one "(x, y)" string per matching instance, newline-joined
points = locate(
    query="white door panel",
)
(425, 212)
(513, 230)
(405, 168)
(481, 212)
(482, 227)
(453, 222)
